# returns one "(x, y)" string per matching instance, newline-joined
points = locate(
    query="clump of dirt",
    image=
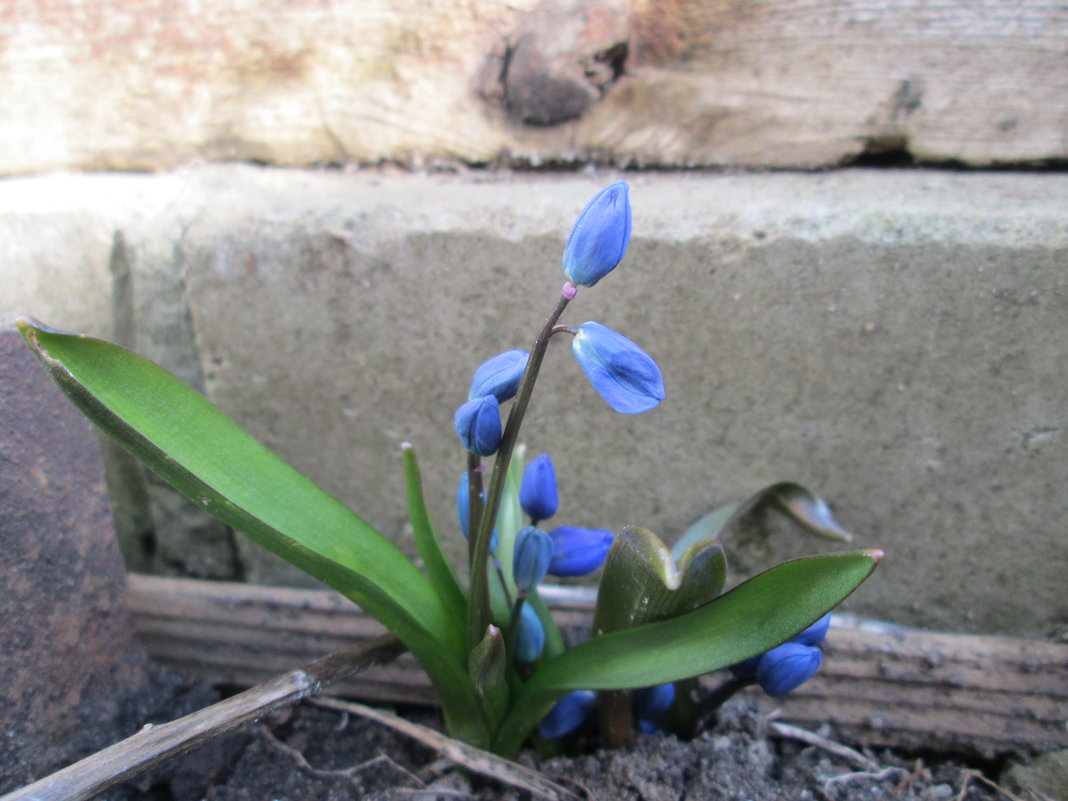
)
(311, 752)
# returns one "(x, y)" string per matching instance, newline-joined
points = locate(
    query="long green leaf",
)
(750, 619)
(213, 462)
(438, 566)
(798, 503)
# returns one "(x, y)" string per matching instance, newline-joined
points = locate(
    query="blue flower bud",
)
(648, 727)
(600, 236)
(537, 493)
(499, 376)
(569, 713)
(814, 634)
(787, 667)
(578, 551)
(652, 702)
(478, 424)
(621, 372)
(533, 552)
(463, 511)
(530, 638)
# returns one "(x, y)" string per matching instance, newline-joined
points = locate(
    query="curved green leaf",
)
(802, 506)
(642, 583)
(213, 462)
(750, 619)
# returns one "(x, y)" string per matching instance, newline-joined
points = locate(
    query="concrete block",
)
(894, 340)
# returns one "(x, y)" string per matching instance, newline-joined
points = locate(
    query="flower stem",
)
(617, 718)
(478, 606)
(708, 705)
(474, 502)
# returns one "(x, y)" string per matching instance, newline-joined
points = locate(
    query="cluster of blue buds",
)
(620, 371)
(577, 710)
(787, 667)
(564, 551)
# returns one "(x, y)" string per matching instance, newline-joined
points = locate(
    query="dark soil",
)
(314, 753)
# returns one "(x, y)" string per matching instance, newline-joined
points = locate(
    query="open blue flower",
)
(530, 638)
(578, 551)
(538, 494)
(599, 237)
(533, 553)
(568, 714)
(478, 424)
(621, 372)
(787, 667)
(499, 376)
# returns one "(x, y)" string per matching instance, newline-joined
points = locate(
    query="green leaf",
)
(703, 572)
(750, 619)
(795, 501)
(642, 583)
(487, 666)
(440, 570)
(213, 462)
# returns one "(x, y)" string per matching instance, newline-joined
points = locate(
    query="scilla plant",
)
(497, 660)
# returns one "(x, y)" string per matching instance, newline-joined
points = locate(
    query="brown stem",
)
(478, 606)
(710, 703)
(474, 502)
(616, 713)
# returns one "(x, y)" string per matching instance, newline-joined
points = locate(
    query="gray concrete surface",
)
(894, 340)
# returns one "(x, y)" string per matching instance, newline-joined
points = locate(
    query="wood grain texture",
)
(978, 695)
(147, 84)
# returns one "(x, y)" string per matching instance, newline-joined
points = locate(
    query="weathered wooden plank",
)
(765, 83)
(909, 689)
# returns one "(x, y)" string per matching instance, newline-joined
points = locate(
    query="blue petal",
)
(787, 667)
(463, 511)
(533, 552)
(538, 494)
(652, 702)
(499, 376)
(814, 634)
(478, 424)
(600, 237)
(569, 713)
(578, 551)
(530, 639)
(621, 372)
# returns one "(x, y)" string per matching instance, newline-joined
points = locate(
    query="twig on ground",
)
(474, 759)
(154, 745)
(974, 774)
(875, 776)
(350, 773)
(852, 756)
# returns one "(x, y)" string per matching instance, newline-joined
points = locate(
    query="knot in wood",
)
(560, 61)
